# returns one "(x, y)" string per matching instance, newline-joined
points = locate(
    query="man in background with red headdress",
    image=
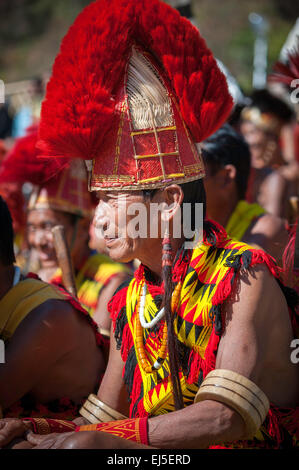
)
(59, 197)
(192, 363)
(272, 183)
(34, 319)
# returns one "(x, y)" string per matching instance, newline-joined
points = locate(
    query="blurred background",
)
(240, 34)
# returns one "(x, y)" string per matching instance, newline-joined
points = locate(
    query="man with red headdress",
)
(192, 350)
(59, 197)
(33, 321)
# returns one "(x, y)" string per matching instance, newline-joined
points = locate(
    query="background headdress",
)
(58, 184)
(133, 87)
(286, 73)
(13, 196)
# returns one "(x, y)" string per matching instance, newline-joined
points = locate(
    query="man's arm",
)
(112, 390)
(101, 315)
(41, 339)
(256, 322)
(272, 194)
(268, 232)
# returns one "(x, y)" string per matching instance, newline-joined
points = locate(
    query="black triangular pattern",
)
(180, 321)
(211, 251)
(219, 252)
(151, 311)
(205, 288)
(159, 377)
(192, 278)
(231, 254)
(189, 270)
(198, 330)
(152, 383)
(226, 252)
(211, 287)
(188, 327)
(198, 286)
(165, 371)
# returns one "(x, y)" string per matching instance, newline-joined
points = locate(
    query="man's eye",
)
(48, 226)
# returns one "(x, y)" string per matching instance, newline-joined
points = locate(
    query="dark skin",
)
(267, 231)
(246, 347)
(52, 354)
(39, 225)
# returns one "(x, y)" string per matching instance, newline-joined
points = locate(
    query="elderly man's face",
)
(112, 218)
(132, 225)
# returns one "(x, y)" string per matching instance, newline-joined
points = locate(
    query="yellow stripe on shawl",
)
(241, 219)
(21, 300)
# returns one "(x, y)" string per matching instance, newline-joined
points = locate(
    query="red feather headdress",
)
(86, 113)
(59, 185)
(286, 73)
(21, 164)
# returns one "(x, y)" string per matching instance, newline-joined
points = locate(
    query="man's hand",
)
(81, 440)
(49, 441)
(11, 428)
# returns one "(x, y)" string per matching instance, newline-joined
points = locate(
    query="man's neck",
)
(6, 279)
(152, 259)
(222, 213)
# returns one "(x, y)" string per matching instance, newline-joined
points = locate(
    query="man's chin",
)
(120, 255)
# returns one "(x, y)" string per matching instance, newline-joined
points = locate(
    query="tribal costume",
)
(146, 91)
(208, 277)
(95, 274)
(241, 219)
(19, 301)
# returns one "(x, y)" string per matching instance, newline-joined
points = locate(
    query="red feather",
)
(286, 73)
(79, 109)
(22, 164)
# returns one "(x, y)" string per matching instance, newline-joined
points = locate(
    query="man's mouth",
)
(109, 240)
(44, 256)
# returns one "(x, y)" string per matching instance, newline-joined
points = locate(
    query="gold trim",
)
(151, 131)
(173, 175)
(158, 155)
(138, 187)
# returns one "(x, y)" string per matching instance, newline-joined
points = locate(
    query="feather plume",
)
(79, 109)
(22, 164)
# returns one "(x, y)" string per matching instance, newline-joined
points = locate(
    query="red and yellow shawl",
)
(208, 275)
(94, 275)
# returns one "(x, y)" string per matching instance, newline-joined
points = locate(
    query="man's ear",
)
(229, 175)
(173, 197)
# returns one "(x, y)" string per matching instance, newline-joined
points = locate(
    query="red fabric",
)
(22, 165)
(48, 426)
(131, 429)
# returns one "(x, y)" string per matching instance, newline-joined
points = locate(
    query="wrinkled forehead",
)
(119, 195)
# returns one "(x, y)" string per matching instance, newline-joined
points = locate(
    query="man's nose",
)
(101, 220)
(41, 237)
